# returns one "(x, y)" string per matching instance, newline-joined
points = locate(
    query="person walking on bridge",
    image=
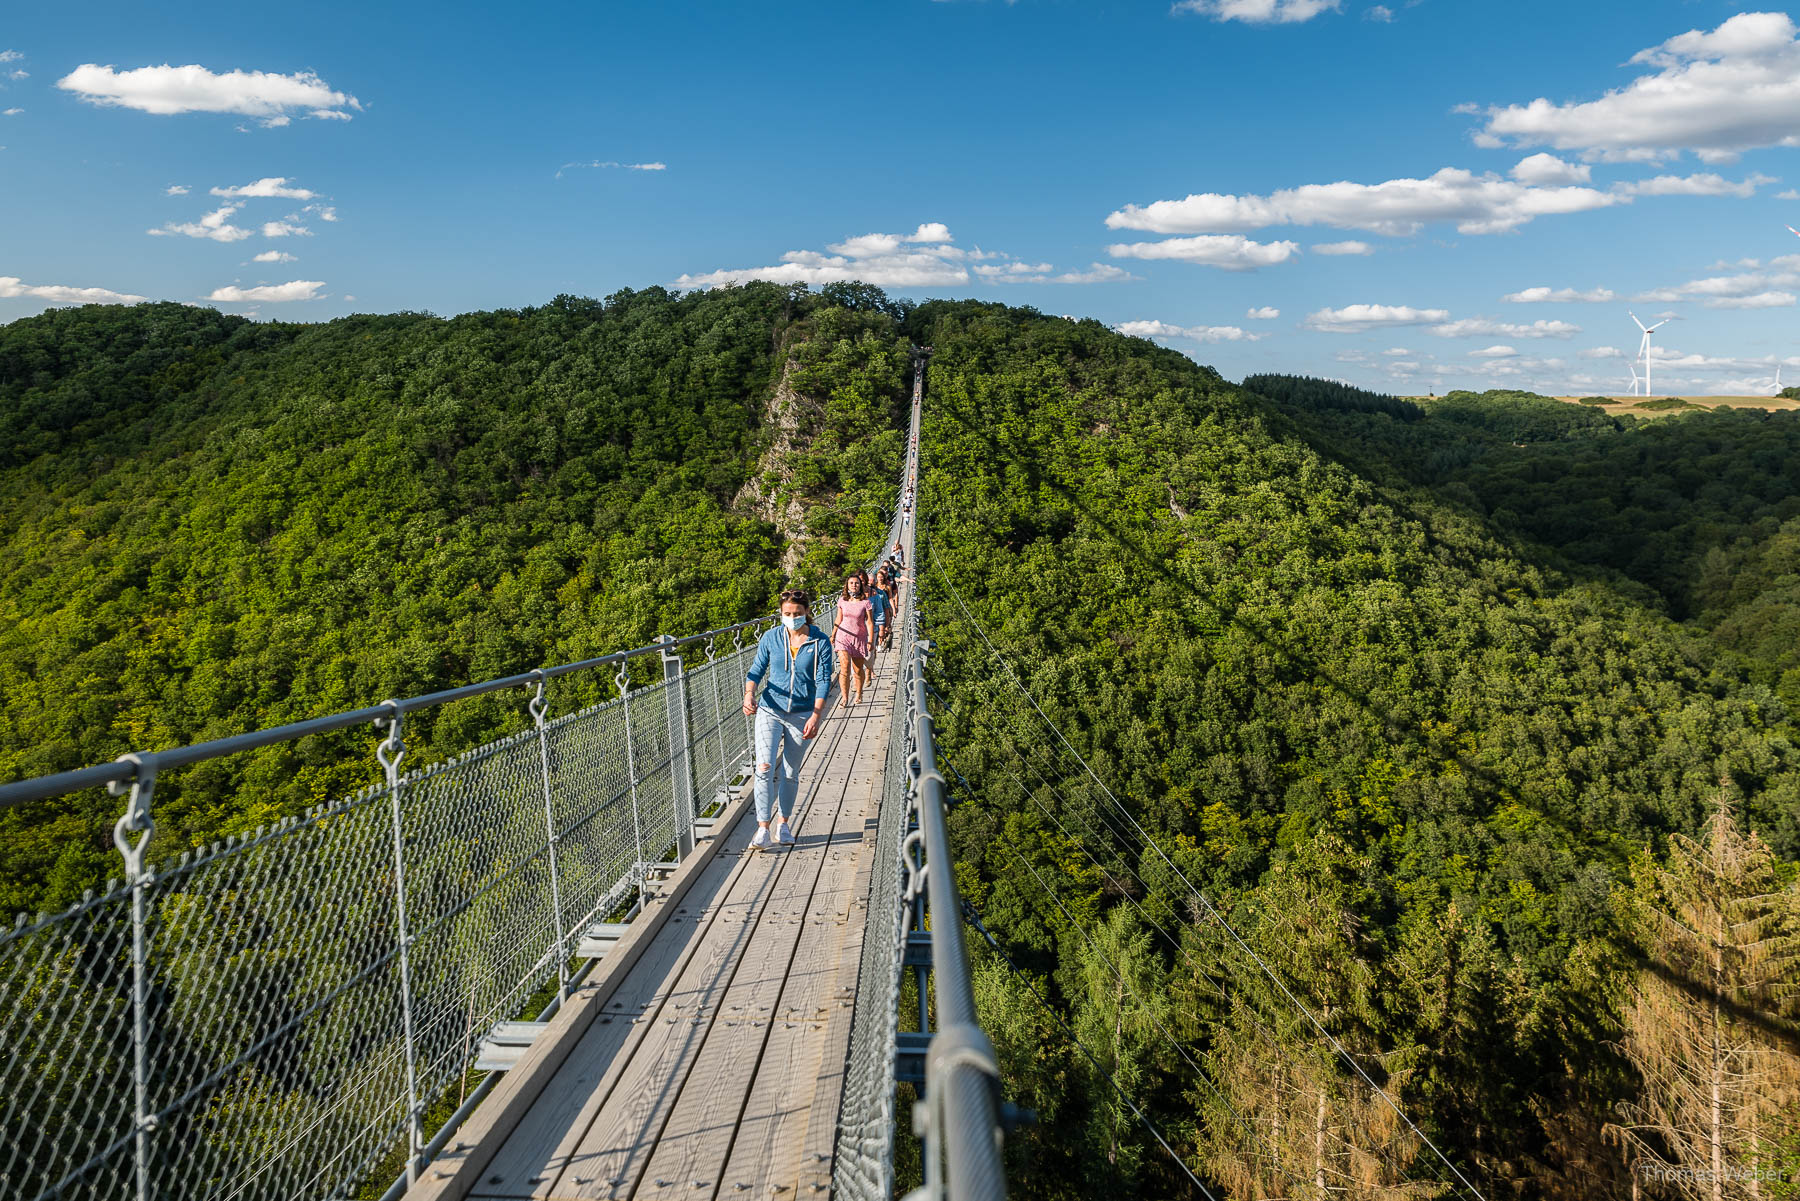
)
(796, 658)
(851, 635)
(879, 603)
(888, 588)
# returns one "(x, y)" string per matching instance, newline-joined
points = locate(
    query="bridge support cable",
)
(973, 918)
(1258, 1143)
(1218, 985)
(1205, 903)
(274, 1014)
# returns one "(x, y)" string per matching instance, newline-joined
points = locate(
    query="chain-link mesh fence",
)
(864, 1167)
(273, 1023)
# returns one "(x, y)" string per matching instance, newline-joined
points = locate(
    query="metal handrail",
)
(127, 768)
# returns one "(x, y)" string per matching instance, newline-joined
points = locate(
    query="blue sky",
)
(1413, 197)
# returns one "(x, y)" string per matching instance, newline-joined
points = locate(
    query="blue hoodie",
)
(802, 683)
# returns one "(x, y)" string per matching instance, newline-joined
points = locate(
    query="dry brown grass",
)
(1627, 404)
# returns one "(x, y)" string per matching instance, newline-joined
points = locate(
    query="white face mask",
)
(793, 621)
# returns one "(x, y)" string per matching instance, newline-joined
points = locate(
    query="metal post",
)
(681, 764)
(137, 818)
(540, 712)
(737, 645)
(390, 752)
(921, 973)
(718, 713)
(623, 680)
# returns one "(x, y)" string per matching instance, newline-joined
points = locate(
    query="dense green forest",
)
(1475, 718)
(210, 525)
(1405, 695)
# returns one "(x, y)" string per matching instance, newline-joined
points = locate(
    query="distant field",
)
(1627, 404)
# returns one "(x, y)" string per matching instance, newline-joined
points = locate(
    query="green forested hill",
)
(1414, 757)
(1458, 711)
(209, 525)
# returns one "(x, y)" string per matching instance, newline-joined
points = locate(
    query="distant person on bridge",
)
(852, 633)
(888, 588)
(879, 601)
(796, 657)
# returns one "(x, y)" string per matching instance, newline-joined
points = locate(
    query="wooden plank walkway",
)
(707, 1058)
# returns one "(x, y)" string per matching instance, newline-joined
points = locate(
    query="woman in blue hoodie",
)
(796, 657)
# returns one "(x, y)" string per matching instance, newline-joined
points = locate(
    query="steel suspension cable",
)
(973, 918)
(1244, 1123)
(1119, 974)
(1205, 902)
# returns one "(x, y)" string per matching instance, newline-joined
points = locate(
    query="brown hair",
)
(796, 596)
(858, 574)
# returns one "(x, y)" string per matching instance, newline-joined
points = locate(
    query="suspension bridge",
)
(551, 967)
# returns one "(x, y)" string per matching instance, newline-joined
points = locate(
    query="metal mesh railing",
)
(915, 885)
(269, 1016)
(864, 1168)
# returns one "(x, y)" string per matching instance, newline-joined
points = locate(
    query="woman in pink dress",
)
(850, 635)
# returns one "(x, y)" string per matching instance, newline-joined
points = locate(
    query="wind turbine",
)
(1644, 346)
(1634, 378)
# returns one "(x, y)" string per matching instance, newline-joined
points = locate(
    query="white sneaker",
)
(784, 834)
(760, 840)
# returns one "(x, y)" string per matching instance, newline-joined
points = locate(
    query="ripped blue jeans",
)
(778, 750)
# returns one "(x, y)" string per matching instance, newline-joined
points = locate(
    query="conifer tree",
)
(1708, 1020)
(1319, 1130)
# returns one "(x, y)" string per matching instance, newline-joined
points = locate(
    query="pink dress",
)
(853, 627)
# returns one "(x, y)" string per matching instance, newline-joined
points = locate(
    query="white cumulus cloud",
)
(299, 289)
(176, 189)
(1343, 248)
(1694, 185)
(1763, 286)
(1478, 204)
(1258, 12)
(270, 186)
(13, 286)
(927, 257)
(1559, 296)
(1494, 352)
(1230, 252)
(1713, 94)
(166, 90)
(1355, 318)
(215, 225)
(1472, 327)
(1194, 333)
(284, 229)
(273, 256)
(1265, 313)
(1540, 170)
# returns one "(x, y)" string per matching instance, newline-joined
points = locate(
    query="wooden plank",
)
(538, 1148)
(818, 1145)
(768, 1148)
(601, 1157)
(454, 1173)
(693, 1145)
(616, 1148)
